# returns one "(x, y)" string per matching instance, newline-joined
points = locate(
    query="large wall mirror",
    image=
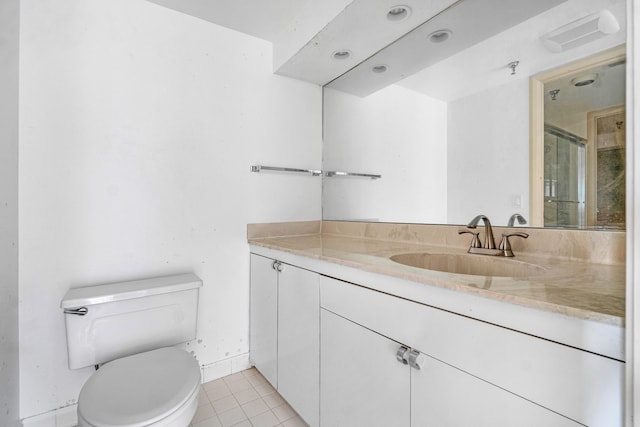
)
(456, 137)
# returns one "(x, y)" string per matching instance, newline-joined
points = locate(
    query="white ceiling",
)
(485, 65)
(259, 18)
(305, 33)
(361, 27)
(469, 22)
(309, 31)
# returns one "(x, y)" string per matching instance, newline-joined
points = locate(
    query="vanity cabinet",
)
(330, 347)
(471, 372)
(285, 332)
(363, 383)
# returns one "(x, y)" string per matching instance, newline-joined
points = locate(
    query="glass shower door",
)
(564, 179)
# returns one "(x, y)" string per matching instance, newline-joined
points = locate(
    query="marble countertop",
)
(581, 289)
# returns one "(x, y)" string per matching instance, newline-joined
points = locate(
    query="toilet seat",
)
(142, 390)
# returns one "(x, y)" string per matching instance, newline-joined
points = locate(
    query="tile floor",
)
(244, 399)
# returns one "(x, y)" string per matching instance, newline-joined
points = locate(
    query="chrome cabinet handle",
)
(416, 359)
(401, 355)
(277, 265)
(410, 356)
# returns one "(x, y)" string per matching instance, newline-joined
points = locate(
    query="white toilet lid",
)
(139, 390)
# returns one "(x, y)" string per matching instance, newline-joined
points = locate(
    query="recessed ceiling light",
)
(439, 36)
(398, 13)
(379, 69)
(341, 54)
(585, 80)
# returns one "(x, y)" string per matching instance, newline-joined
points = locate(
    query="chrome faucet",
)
(489, 246)
(514, 217)
(476, 247)
(489, 242)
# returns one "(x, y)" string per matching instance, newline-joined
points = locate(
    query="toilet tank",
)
(106, 322)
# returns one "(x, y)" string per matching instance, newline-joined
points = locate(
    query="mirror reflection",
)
(584, 146)
(453, 139)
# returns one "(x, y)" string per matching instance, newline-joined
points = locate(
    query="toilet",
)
(128, 331)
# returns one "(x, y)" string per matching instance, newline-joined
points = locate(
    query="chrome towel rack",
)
(361, 175)
(258, 168)
(314, 172)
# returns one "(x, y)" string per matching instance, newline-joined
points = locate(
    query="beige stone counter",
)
(565, 283)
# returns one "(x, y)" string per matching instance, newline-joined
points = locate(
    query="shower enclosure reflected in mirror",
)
(564, 178)
(578, 160)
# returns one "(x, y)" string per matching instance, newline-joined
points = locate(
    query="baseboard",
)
(61, 417)
(225, 367)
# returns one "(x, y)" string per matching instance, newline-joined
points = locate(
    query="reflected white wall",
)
(488, 154)
(397, 133)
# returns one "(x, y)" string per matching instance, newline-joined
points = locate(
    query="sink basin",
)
(477, 265)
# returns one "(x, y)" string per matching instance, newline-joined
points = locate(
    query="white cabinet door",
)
(442, 395)
(299, 341)
(580, 385)
(362, 383)
(264, 318)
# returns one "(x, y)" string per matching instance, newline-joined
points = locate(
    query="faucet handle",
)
(475, 241)
(505, 245)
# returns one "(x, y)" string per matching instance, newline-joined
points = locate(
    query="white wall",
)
(138, 128)
(9, 386)
(488, 154)
(397, 133)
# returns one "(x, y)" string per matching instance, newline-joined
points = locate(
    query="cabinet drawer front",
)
(585, 387)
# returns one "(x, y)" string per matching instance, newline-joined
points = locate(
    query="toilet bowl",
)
(129, 329)
(155, 388)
